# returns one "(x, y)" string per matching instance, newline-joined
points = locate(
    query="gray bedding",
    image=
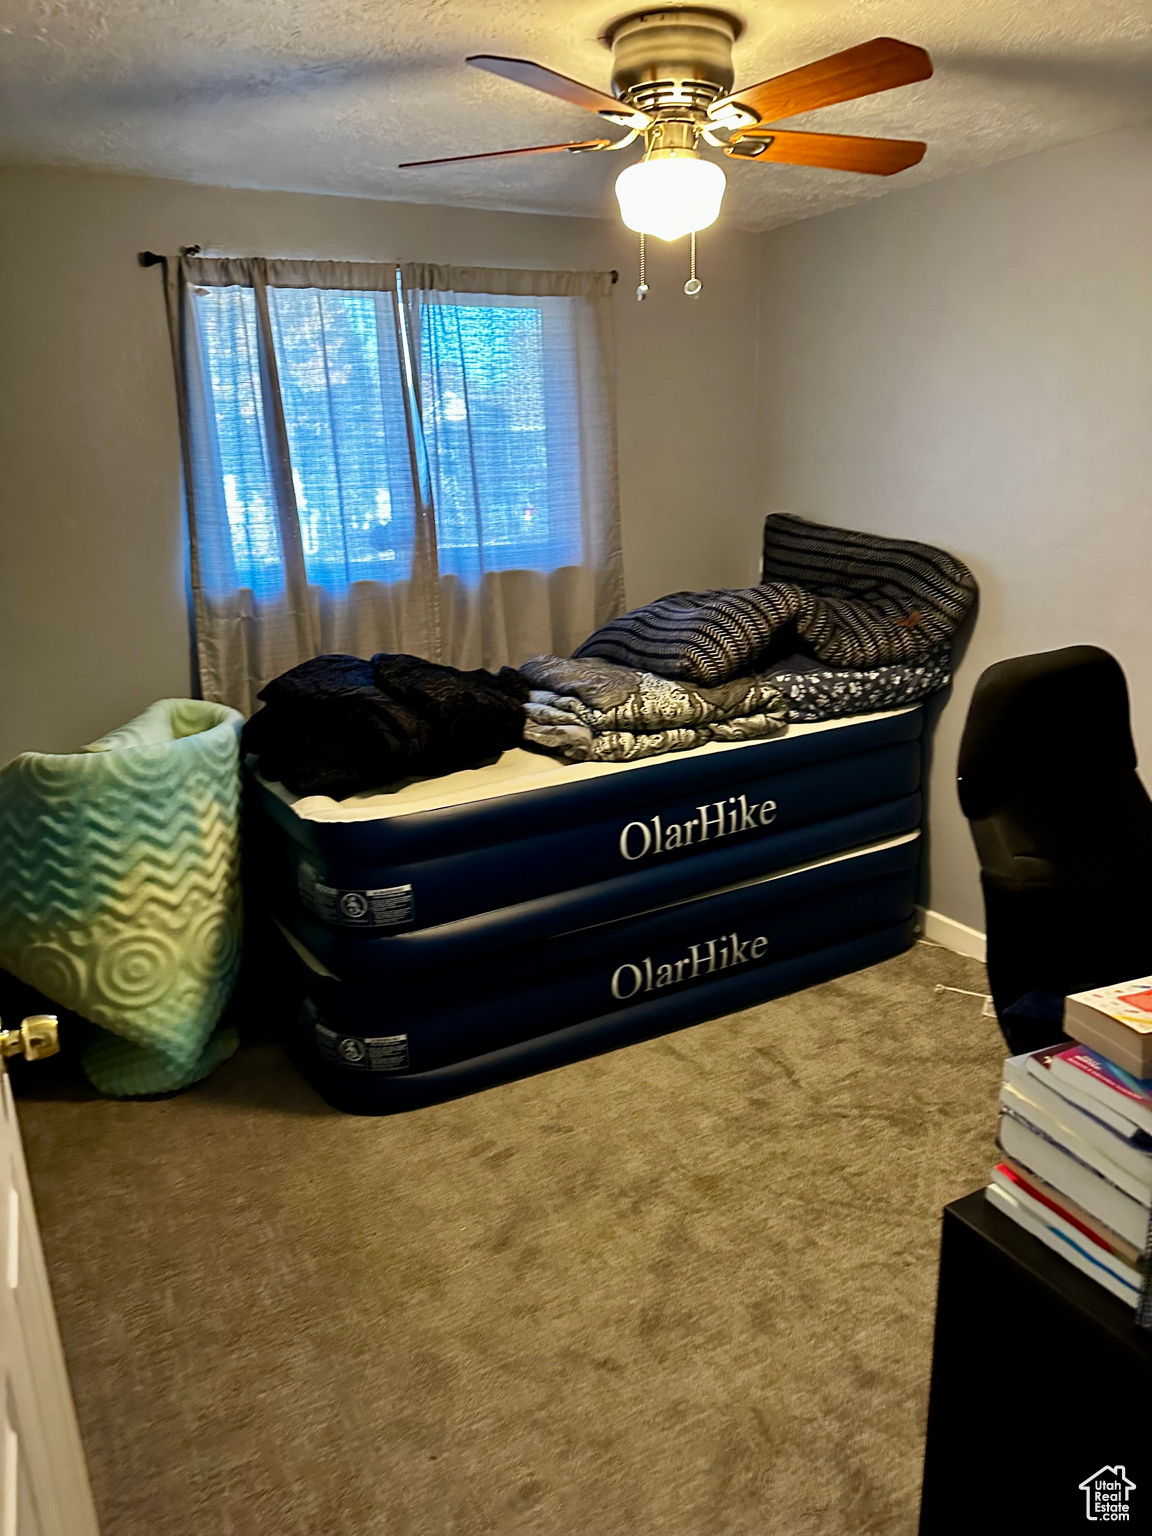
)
(593, 711)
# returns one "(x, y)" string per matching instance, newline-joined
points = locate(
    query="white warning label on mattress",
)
(381, 1053)
(368, 1053)
(388, 906)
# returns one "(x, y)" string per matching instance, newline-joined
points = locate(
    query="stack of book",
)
(1076, 1138)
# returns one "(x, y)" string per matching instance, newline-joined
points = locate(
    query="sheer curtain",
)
(408, 458)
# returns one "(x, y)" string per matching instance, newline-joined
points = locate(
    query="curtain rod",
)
(151, 259)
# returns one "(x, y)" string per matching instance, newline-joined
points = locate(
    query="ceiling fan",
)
(672, 81)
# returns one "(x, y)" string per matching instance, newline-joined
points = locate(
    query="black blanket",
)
(850, 599)
(337, 725)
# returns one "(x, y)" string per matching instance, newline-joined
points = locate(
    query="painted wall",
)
(92, 610)
(970, 363)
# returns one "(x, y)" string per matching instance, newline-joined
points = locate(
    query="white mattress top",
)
(513, 773)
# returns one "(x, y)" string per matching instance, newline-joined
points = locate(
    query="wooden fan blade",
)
(831, 151)
(880, 65)
(501, 154)
(524, 72)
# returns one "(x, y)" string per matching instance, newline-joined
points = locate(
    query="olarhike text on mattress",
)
(723, 818)
(701, 960)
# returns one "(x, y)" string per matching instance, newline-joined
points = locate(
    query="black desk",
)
(1039, 1378)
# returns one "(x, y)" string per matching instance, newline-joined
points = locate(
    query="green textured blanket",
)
(120, 890)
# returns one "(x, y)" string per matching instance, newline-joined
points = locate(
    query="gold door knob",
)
(38, 1036)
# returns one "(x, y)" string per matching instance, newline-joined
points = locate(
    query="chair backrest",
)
(1063, 829)
(1041, 723)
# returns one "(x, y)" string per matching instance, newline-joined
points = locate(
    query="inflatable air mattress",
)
(372, 1049)
(448, 933)
(507, 837)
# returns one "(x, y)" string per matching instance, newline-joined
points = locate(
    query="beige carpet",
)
(686, 1288)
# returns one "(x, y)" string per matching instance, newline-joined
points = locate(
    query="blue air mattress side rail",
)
(375, 1093)
(411, 836)
(350, 893)
(675, 923)
(421, 951)
(358, 1028)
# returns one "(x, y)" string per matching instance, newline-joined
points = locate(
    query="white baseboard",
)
(951, 934)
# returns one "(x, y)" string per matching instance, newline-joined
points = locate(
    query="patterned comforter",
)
(592, 711)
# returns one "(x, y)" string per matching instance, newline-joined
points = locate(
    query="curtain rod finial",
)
(151, 259)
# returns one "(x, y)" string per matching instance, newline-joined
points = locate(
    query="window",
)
(344, 415)
(393, 458)
(485, 421)
(226, 320)
(484, 413)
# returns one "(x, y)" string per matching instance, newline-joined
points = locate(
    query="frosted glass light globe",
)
(671, 193)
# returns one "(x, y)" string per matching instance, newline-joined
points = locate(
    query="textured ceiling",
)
(328, 95)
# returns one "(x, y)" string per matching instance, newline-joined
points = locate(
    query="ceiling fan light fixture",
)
(670, 193)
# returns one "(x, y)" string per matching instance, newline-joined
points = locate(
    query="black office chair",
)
(1063, 828)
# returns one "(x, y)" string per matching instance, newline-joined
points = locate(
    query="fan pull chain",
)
(642, 290)
(693, 286)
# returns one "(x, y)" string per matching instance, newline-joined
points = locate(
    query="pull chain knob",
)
(642, 290)
(693, 286)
